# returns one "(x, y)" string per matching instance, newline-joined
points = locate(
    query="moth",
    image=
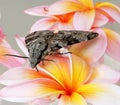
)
(43, 43)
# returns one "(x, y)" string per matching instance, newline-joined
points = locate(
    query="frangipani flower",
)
(87, 14)
(69, 81)
(5, 48)
(51, 22)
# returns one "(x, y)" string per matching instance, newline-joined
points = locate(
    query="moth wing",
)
(37, 43)
(72, 37)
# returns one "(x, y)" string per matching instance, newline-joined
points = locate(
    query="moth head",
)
(33, 62)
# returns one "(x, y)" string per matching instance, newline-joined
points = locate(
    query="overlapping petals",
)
(30, 90)
(85, 8)
(111, 75)
(21, 74)
(64, 73)
(86, 22)
(43, 24)
(113, 47)
(100, 93)
(71, 6)
(100, 19)
(74, 99)
(50, 22)
(111, 11)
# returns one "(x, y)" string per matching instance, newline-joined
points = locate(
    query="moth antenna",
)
(15, 56)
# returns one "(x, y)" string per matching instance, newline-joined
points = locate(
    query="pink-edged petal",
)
(101, 94)
(111, 10)
(31, 90)
(91, 50)
(65, 26)
(41, 101)
(43, 24)
(10, 61)
(21, 43)
(81, 20)
(21, 74)
(73, 99)
(103, 73)
(100, 19)
(38, 11)
(113, 48)
(64, 6)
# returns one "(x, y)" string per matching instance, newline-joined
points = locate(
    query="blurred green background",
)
(15, 21)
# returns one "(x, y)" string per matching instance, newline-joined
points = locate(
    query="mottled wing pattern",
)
(65, 38)
(37, 43)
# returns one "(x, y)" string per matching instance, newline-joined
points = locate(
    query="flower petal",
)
(31, 90)
(81, 20)
(66, 26)
(80, 71)
(64, 6)
(103, 73)
(113, 48)
(38, 11)
(21, 43)
(41, 101)
(91, 50)
(21, 74)
(100, 19)
(10, 61)
(43, 24)
(111, 9)
(101, 94)
(59, 68)
(74, 99)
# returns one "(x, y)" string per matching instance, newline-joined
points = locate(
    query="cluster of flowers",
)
(80, 78)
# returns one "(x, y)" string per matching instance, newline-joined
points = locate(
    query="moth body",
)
(42, 43)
